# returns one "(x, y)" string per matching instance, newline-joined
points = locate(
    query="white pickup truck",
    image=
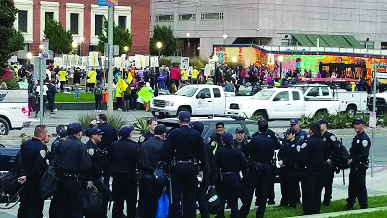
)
(14, 111)
(294, 102)
(196, 99)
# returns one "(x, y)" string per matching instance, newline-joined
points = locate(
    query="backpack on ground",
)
(98, 90)
(342, 161)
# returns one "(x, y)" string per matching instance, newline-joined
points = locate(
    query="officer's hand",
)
(280, 162)
(349, 161)
(94, 122)
(89, 184)
(22, 179)
(200, 175)
(210, 186)
(329, 162)
(102, 179)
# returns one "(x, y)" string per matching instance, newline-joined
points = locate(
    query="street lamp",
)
(75, 45)
(234, 59)
(215, 58)
(82, 40)
(159, 45)
(29, 57)
(280, 59)
(126, 48)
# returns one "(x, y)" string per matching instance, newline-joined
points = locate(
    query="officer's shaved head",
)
(315, 129)
(39, 129)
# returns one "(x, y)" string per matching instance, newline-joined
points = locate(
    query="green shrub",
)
(141, 125)
(175, 64)
(196, 63)
(115, 120)
(165, 61)
(338, 121)
(85, 119)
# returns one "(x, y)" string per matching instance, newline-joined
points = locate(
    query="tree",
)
(60, 39)
(121, 37)
(164, 35)
(10, 38)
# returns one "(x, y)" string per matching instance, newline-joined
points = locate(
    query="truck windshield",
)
(187, 91)
(264, 94)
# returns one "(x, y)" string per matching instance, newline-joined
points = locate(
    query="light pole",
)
(75, 46)
(188, 45)
(126, 48)
(29, 57)
(224, 38)
(82, 40)
(159, 45)
(215, 58)
(280, 59)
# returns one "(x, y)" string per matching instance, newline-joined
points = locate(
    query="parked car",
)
(381, 103)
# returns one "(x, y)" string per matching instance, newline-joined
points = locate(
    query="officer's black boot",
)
(348, 207)
(326, 203)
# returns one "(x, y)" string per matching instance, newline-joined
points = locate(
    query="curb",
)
(335, 214)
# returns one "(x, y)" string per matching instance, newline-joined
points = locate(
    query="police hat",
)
(198, 126)
(160, 129)
(74, 128)
(219, 125)
(321, 122)
(358, 121)
(227, 137)
(63, 133)
(184, 116)
(294, 121)
(240, 129)
(93, 131)
(213, 201)
(290, 130)
(125, 131)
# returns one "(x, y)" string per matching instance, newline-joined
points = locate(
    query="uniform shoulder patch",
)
(365, 143)
(141, 139)
(91, 151)
(43, 153)
(324, 139)
(333, 138)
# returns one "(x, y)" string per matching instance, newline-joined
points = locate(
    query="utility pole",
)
(110, 60)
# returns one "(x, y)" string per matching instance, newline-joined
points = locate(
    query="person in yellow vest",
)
(92, 79)
(118, 97)
(62, 78)
(194, 76)
(184, 75)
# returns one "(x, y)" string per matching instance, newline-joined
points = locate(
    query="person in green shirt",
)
(92, 79)
(194, 76)
(119, 97)
(62, 78)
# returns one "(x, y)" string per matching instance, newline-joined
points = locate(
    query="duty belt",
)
(185, 161)
(71, 175)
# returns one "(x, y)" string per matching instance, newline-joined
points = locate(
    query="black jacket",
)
(210, 171)
(360, 149)
(34, 155)
(332, 145)
(239, 145)
(313, 154)
(96, 159)
(123, 156)
(108, 137)
(288, 152)
(51, 91)
(73, 157)
(229, 159)
(150, 155)
(261, 148)
(145, 137)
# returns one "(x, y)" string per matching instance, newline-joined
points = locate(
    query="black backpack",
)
(342, 161)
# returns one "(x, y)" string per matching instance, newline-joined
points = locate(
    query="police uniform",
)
(96, 172)
(75, 166)
(144, 137)
(123, 155)
(34, 154)
(288, 154)
(150, 189)
(230, 162)
(357, 177)
(301, 136)
(239, 144)
(311, 163)
(259, 151)
(215, 141)
(273, 173)
(184, 148)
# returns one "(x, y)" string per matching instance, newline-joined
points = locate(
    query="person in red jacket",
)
(243, 75)
(175, 76)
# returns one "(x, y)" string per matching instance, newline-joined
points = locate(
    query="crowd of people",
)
(234, 167)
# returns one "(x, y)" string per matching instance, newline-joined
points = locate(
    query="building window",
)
(384, 45)
(187, 17)
(370, 45)
(122, 21)
(164, 17)
(49, 15)
(22, 21)
(74, 21)
(212, 16)
(98, 24)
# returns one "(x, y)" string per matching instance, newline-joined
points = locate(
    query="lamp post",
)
(29, 57)
(224, 38)
(215, 58)
(280, 59)
(82, 40)
(126, 48)
(188, 46)
(159, 45)
(75, 46)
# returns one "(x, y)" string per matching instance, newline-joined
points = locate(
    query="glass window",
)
(325, 91)
(313, 92)
(204, 92)
(217, 93)
(187, 17)
(212, 16)
(252, 128)
(98, 24)
(122, 21)
(231, 127)
(283, 96)
(49, 15)
(22, 21)
(165, 18)
(296, 96)
(186, 91)
(74, 21)
(264, 94)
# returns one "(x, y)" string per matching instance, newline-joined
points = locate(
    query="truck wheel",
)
(182, 109)
(351, 111)
(4, 127)
(260, 115)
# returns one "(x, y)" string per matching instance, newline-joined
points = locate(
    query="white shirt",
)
(45, 89)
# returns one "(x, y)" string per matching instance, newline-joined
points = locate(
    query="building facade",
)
(199, 24)
(84, 18)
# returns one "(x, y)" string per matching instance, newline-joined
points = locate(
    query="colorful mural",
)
(244, 55)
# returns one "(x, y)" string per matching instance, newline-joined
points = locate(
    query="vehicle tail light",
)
(26, 111)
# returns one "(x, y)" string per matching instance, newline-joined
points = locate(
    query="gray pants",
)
(126, 105)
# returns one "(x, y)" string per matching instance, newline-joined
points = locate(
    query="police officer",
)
(210, 173)
(75, 165)
(274, 171)
(108, 137)
(123, 155)
(332, 148)
(152, 123)
(230, 162)
(287, 157)
(95, 153)
(34, 154)
(215, 139)
(61, 137)
(259, 151)
(149, 157)
(301, 135)
(311, 162)
(359, 164)
(239, 142)
(184, 148)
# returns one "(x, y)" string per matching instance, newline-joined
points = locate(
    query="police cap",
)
(184, 116)
(74, 128)
(358, 121)
(93, 131)
(125, 131)
(160, 129)
(227, 137)
(198, 126)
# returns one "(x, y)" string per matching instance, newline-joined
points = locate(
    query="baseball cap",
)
(125, 131)
(227, 137)
(184, 116)
(240, 129)
(93, 131)
(294, 121)
(321, 122)
(219, 125)
(74, 128)
(160, 129)
(290, 130)
(198, 126)
(358, 121)
(63, 133)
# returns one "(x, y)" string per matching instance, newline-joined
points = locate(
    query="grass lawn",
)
(336, 206)
(382, 213)
(66, 97)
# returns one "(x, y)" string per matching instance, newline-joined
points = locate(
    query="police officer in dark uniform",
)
(359, 164)
(259, 151)
(210, 173)
(184, 148)
(287, 157)
(34, 154)
(230, 162)
(149, 157)
(311, 163)
(152, 123)
(215, 139)
(332, 146)
(61, 137)
(108, 137)
(95, 153)
(123, 155)
(301, 135)
(274, 171)
(239, 142)
(75, 166)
